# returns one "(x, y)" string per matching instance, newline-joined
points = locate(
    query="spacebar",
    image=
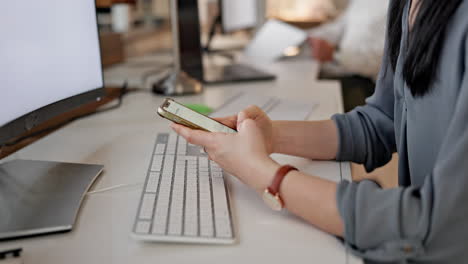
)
(221, 211)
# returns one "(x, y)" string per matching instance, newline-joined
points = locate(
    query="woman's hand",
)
(260, 118)
(322, 50)
(244, 154)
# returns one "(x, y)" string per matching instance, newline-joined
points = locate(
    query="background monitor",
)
(239, 14)
(49, 61)
(191, 52)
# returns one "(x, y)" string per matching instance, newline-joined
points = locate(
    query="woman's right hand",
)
(261, 119)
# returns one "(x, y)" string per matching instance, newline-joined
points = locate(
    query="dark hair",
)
(425, 41)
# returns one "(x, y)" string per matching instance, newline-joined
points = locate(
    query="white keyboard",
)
(184, 198)
(276, 108)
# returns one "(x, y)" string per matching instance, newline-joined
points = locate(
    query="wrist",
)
(266, 174)
(276, 127)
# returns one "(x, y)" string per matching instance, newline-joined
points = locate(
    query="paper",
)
(273, 39)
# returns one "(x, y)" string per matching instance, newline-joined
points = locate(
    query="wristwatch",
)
(271, 194)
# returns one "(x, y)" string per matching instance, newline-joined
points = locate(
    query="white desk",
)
(123, 139)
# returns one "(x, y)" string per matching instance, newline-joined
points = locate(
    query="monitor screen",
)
(239, 14)
(49, 51)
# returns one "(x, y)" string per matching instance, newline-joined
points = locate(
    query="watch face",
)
(273, 201)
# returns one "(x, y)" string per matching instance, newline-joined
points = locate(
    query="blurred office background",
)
(134, 28)
(150, 18)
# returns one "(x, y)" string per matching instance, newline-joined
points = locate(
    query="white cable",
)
(111, 188)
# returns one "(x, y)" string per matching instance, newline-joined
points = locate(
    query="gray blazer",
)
(425, 220)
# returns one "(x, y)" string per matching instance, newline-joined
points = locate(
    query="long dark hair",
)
(425, 42)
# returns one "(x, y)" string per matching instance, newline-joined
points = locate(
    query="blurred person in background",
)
(353, 43)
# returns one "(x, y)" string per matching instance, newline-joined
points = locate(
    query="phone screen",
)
(197, 118)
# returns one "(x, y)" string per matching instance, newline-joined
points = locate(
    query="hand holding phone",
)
(183, 115)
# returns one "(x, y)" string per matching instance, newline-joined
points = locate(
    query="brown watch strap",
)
(279, 176)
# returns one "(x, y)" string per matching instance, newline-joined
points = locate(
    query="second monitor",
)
(191, 51)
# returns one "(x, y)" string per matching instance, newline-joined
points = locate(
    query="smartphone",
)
(183, 115)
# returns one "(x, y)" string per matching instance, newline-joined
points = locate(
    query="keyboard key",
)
(206, 216)
(162, 206)
(162, 138)
(181, 148)
(222, 223)
(177, 204)
(171, 151)
(160, 149)
(203, 161)
(157, 163)
(172, 138)
(192, 167)
(146, 211)
(143, 227)
(215, 167)
(191, 158)
(153, 180)
(217, 174)
(191, 207)
(169, 160)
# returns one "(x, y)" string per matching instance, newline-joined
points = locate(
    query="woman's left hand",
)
(243, 154)
(322, 50)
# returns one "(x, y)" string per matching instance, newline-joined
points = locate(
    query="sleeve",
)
(366, 134)
(425, 223)
(332, 31)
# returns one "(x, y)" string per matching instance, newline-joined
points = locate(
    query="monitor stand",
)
(42, 197)
(234, 73)
(177, 83)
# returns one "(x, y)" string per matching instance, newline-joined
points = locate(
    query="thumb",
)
(241, 117)
(248, 125)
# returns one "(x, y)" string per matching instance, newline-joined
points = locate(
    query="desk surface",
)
(123, 139)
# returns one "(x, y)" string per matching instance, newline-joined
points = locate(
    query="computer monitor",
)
(239, 14)
(50, 63)
(191, 52)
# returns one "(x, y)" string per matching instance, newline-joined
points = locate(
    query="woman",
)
(353, 42)
(420, 109)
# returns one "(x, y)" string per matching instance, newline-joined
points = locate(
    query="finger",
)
(241, 117)
(230, 121)
(251, 112)
(247, 126)
(193, 136)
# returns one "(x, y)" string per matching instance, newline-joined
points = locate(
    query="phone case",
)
(171, 117)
